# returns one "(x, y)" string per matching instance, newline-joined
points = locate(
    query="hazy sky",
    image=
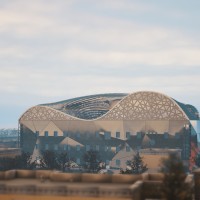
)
(54, 50)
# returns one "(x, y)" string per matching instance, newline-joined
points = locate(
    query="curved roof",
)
(88, 107)
(190, 111)
(143, 105)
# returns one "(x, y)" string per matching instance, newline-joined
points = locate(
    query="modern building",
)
(115, 125)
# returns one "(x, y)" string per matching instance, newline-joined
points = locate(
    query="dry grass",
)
(35, 197)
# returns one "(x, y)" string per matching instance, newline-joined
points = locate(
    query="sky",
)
(55, 50)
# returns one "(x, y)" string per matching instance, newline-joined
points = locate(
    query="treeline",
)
(8, 132)
(52, 160)
(22, 161)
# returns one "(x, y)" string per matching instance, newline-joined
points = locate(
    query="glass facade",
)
(128, 135)
(118, 162)
(128, 149)
(55, 147)
(46, 133)
(87, 147)
(55, 133)
(46, 147)
(107, 135)
(65, 134)
(37, 133)
(142, 120)
(117, 134)
(78, 148)
(97, 148)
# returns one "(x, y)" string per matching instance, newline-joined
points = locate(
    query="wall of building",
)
(82, 127)
(77, 138)
(140, 120)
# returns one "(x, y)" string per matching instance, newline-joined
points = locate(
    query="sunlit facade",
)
(115, 125)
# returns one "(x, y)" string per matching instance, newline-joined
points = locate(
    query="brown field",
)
(35, 197)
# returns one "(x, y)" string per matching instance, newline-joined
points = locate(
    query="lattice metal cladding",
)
(146, 106)
(137, 106)
(44, 113)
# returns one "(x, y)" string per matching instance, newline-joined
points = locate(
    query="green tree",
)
(135, 166)
(174, 185)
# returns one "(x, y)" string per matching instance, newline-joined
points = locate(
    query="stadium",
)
(116, 125)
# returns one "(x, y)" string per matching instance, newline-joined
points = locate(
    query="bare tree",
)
(22, 161)
(49, 160)
(91, 161)
(7, 163)
(62, 160)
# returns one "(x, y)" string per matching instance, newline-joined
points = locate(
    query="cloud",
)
(126, 5)
(54, 50)
(55, 84)
(93, 39)
(176, 56)
(13, 52)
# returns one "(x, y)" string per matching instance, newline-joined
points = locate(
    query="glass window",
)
(78, 135)
(117, 148)
(55, 147)
(55, 133)
(152, 142)
(66, 147)
(117, 134)
(166, 135)
(139, 135)
(107, 135)
(138, 148)
(107, 148)
(128, 135)
(97, 134)
(107, 162)
(46, 133)
(78, 147)
(65, 134)
(118, 162)
(46, 147)
(177, 136)
(37, 133)
(87, 147)
(128, 149)
(78, 161)
(97, 147)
